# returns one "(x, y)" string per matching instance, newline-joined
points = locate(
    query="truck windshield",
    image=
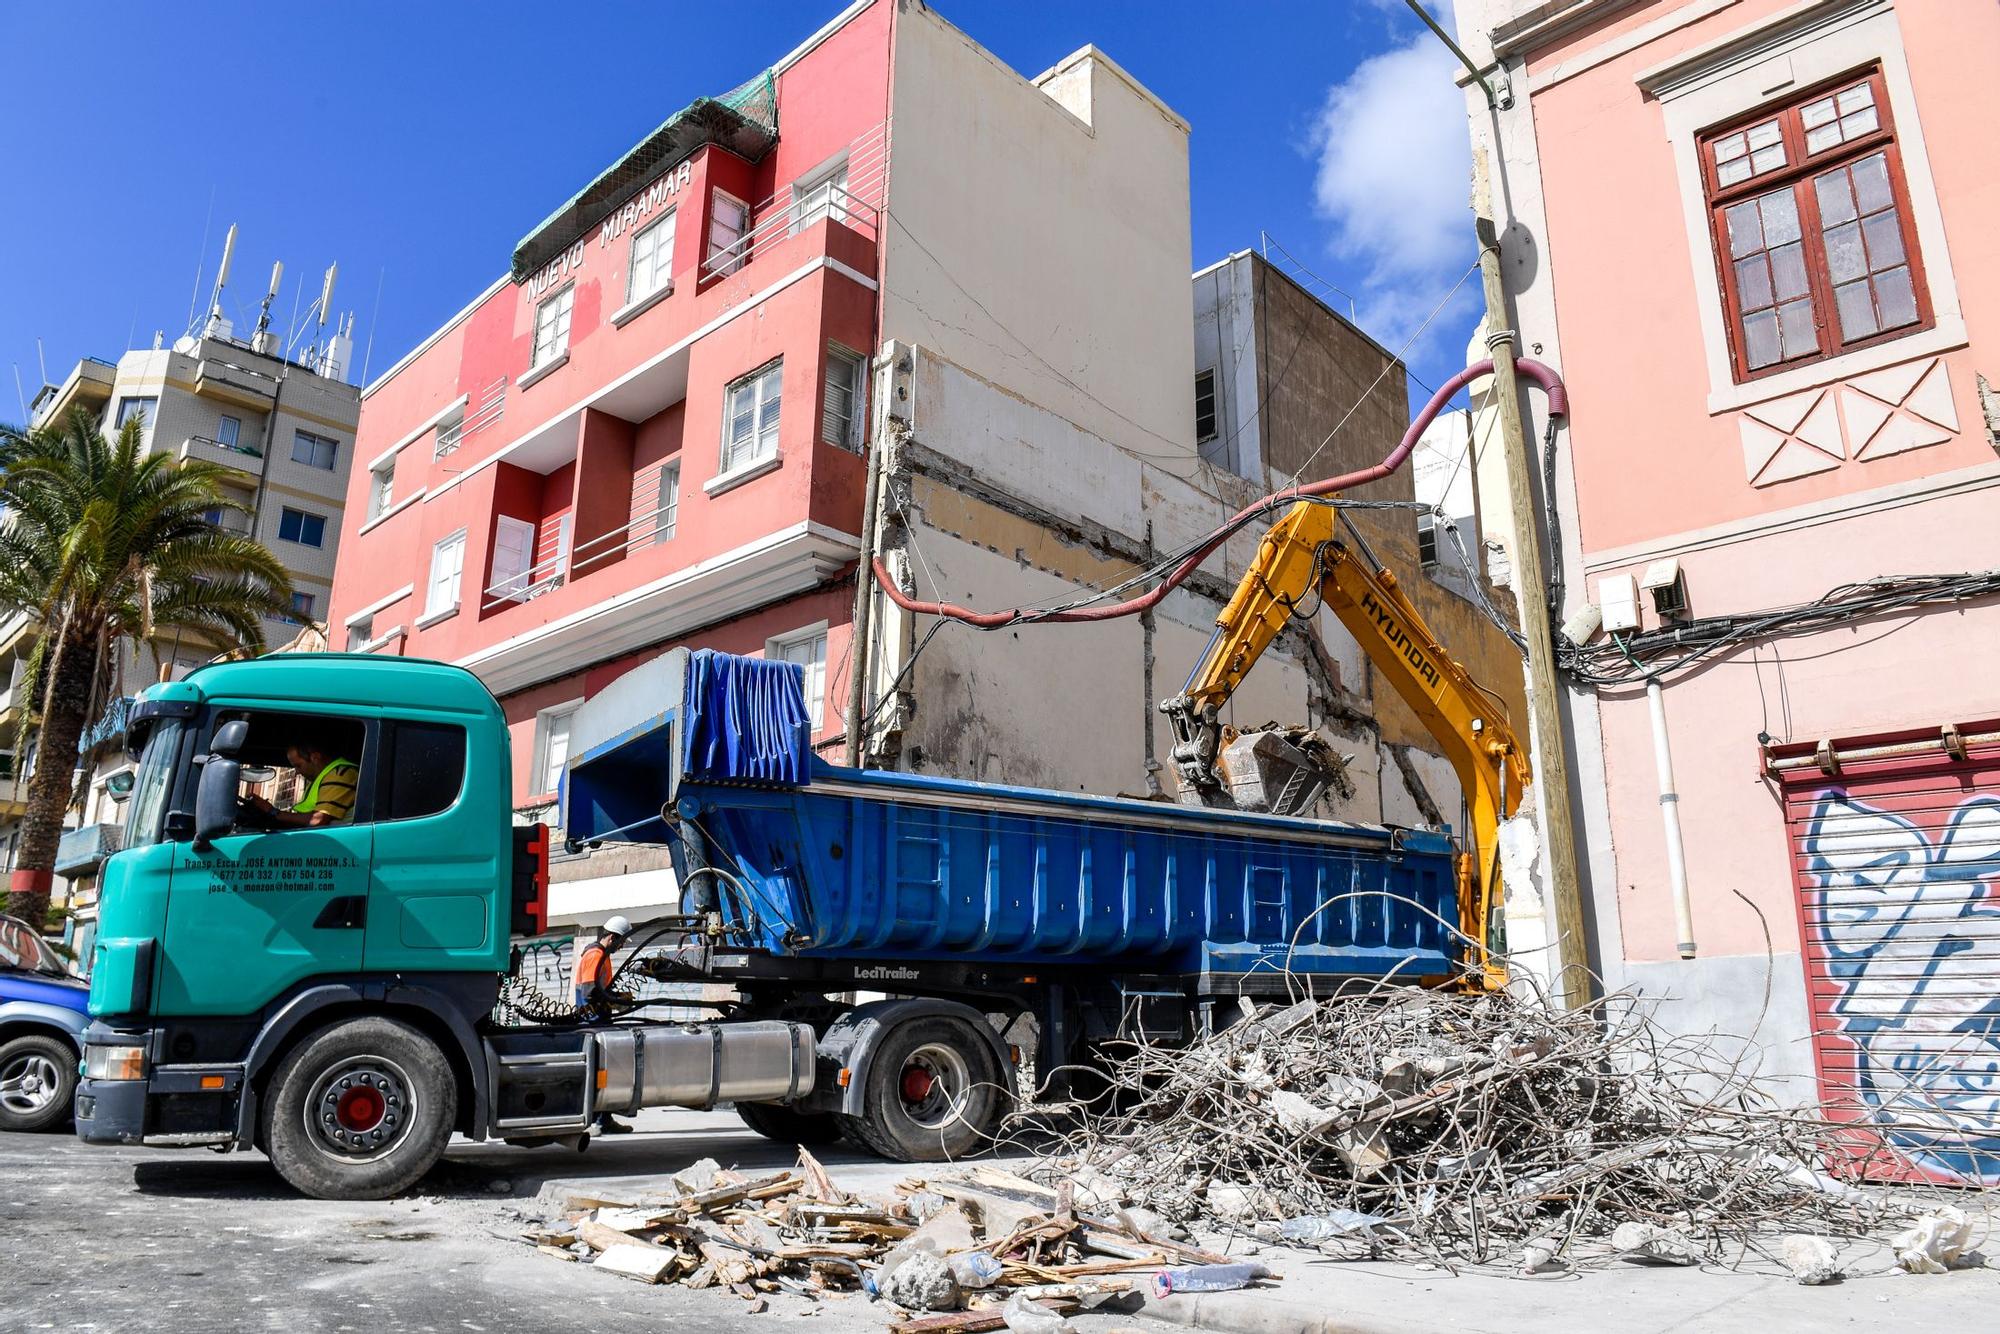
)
(154, 780)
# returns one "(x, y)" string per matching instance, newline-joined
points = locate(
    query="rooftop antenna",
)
(20, 394)
(201, 260)
(42, 357)
(263, 339)
(218, 323)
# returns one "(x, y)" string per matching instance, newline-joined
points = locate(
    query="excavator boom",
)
(1301, 558)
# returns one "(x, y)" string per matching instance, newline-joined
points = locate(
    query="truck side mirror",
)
(221, 775)
(215, 800)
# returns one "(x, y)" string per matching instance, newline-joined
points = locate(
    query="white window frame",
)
(844, 428)
(450, 432)
(712, 250)
(658, 261)
(1743, 70)
(813, 195)
(527, 533)
(667, 501)
(360, 632)
(553, 310)
(229, 431)
(312, 440)
(545, 723)
(766, 385)
(775, 649)
(382, 487)
(432, 605)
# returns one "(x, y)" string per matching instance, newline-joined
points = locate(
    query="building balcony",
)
(82, 851)
(243, 458)
(783, 216)
(224, 371)
(89, 385)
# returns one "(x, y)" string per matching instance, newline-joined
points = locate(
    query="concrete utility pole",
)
(1574, 984)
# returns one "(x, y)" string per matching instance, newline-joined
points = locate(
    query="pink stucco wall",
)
(1659, 472)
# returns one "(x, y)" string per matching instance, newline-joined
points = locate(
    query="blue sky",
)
(408, 143)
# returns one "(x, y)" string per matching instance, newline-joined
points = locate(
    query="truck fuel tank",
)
(699, 1065)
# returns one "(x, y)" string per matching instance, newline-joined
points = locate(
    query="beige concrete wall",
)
(997, 524)
(1038, 236)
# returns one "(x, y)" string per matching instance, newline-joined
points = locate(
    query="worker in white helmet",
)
(593, 993)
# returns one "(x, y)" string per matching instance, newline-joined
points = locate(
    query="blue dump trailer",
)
(997, 925)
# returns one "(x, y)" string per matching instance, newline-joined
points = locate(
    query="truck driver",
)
(330, 782)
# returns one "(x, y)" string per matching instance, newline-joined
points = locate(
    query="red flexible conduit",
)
(1550, 383)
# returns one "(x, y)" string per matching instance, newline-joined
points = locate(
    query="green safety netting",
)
(743, 120)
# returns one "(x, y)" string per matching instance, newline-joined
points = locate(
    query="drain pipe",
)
(1670, 817)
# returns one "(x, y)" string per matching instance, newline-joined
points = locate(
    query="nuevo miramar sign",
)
(634, 211)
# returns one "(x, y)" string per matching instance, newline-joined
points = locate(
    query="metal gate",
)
(1895, 845)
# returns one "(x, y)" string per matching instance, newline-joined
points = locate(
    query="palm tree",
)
(103, 542)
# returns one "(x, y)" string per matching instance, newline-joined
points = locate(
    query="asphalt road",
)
(112, 1240)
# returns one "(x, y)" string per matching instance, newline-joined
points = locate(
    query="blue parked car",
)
(43, 1012)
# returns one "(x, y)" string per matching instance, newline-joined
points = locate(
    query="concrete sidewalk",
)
(1318, 1295)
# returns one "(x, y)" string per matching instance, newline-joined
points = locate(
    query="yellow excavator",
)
(1303, 557)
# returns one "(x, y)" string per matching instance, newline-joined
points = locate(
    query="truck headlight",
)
(114, 1062)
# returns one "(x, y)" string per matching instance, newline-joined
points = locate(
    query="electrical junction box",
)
(1663, 579)
(1619, 598)
(1586, 621)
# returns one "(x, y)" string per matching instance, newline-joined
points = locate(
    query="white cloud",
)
(1394, 161)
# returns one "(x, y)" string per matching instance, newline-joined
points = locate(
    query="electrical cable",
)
(1083, 610)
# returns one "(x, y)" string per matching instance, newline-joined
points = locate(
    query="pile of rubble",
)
(972, 1251)
(1466, 1129)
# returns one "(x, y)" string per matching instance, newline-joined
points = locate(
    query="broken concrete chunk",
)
(1811, 1259)
(1299, 1116)
(922, 1282)
(647, 1264)
(1642, 1243)
(697, 1177)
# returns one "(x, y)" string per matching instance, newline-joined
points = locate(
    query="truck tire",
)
(789, 1125)
(934, 1092)
(37, 1082)
(360, 1111)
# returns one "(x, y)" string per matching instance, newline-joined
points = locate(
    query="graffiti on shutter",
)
(1898, 865)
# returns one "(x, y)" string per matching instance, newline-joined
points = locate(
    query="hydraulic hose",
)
(1550, 383)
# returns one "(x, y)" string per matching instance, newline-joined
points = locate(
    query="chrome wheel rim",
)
(29, 1084)
(935, 1084)
(360, 1109)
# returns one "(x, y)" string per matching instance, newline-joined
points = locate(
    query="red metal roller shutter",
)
(1897, 861)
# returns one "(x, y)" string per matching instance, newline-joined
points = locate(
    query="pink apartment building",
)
(652, 428)
(1755, 237)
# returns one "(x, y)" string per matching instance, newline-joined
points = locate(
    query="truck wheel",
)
(37, 1082)
(934, 1093)
(360, 1111)
(789, 1125)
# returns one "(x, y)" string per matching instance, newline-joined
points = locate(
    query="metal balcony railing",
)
(855, 202)
(552, 570)
(492, 406)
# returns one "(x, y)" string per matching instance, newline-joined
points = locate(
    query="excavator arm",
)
(1301, 558)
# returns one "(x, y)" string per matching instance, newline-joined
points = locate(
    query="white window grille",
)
(552, 326)
(846, 393)
(750, 420)
(652, 259)
(447, 567)
(821, 195)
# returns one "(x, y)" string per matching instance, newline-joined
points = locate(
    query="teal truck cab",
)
(325, 990)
